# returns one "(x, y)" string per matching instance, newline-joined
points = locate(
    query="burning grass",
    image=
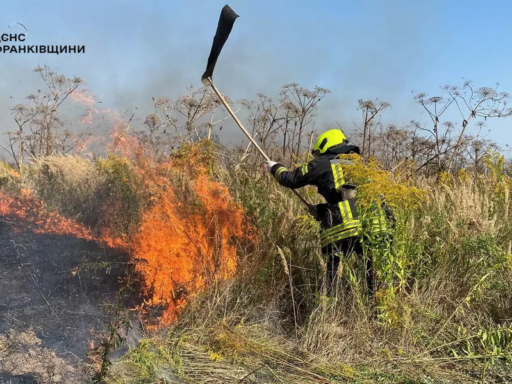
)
(235, 268)
(181, 226)
(185, 230)
(25, 212)
(183, 247)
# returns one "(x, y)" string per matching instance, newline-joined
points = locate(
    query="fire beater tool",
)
(226, 22)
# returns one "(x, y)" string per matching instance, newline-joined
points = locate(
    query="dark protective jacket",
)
(339, 220)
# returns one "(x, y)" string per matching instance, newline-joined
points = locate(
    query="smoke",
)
(133, 53)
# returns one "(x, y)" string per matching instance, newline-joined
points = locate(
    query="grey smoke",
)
(378, 52)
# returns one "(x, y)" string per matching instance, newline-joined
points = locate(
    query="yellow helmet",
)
(329, 139)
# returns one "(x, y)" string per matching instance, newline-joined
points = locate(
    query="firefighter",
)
(341, 229)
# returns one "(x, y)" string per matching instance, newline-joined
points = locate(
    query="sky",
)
(365, 49)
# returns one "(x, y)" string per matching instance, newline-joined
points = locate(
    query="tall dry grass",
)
(443, 304)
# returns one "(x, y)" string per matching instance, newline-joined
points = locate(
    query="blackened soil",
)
(57, 285)
(17, 379)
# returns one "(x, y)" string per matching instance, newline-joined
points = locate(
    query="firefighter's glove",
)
(313, 212)
(318, 211)
(270, 164)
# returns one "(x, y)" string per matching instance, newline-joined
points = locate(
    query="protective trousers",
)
(342, 249)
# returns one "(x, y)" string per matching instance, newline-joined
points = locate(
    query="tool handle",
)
(236, 119)
(303, 200)
(239, 123)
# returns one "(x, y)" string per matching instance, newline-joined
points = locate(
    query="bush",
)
(10, 179)
(121, 195)
(99, 194)
(68, 184)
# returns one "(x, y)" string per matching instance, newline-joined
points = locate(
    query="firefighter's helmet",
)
(328, 140)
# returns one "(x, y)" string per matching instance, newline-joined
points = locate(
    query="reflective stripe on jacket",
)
(338, 221)
(349, 227)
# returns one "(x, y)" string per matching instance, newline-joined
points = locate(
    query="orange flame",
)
(185, 246)
(186, 240)
(84, 97)
(25, 212)
(121, 142)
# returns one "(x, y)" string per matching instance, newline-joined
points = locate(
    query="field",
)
(170, 258)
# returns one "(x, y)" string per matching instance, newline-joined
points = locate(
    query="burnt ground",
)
(45, 309)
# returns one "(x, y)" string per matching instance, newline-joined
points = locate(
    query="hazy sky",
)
(390, 49)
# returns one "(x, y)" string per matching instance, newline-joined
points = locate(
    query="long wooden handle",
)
(239, 123)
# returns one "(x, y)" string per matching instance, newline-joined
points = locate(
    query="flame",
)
(185, 241)
(121, 142)
(25, 212)
(14, 173)
(84, 97)
(83, 147)
(187, 245)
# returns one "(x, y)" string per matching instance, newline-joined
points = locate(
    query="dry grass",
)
(69, 184)
(444, 285)
(449, 286)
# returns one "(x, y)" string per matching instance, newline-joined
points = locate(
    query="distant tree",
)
(471, 103)
(391, 145)
(477, 150)
(436, 106)
(189, 118)
(303, 103)
(38, 120)
(286, 123)
(370, 109)
(483, 102)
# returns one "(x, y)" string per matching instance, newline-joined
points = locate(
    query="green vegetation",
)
(443, 300)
